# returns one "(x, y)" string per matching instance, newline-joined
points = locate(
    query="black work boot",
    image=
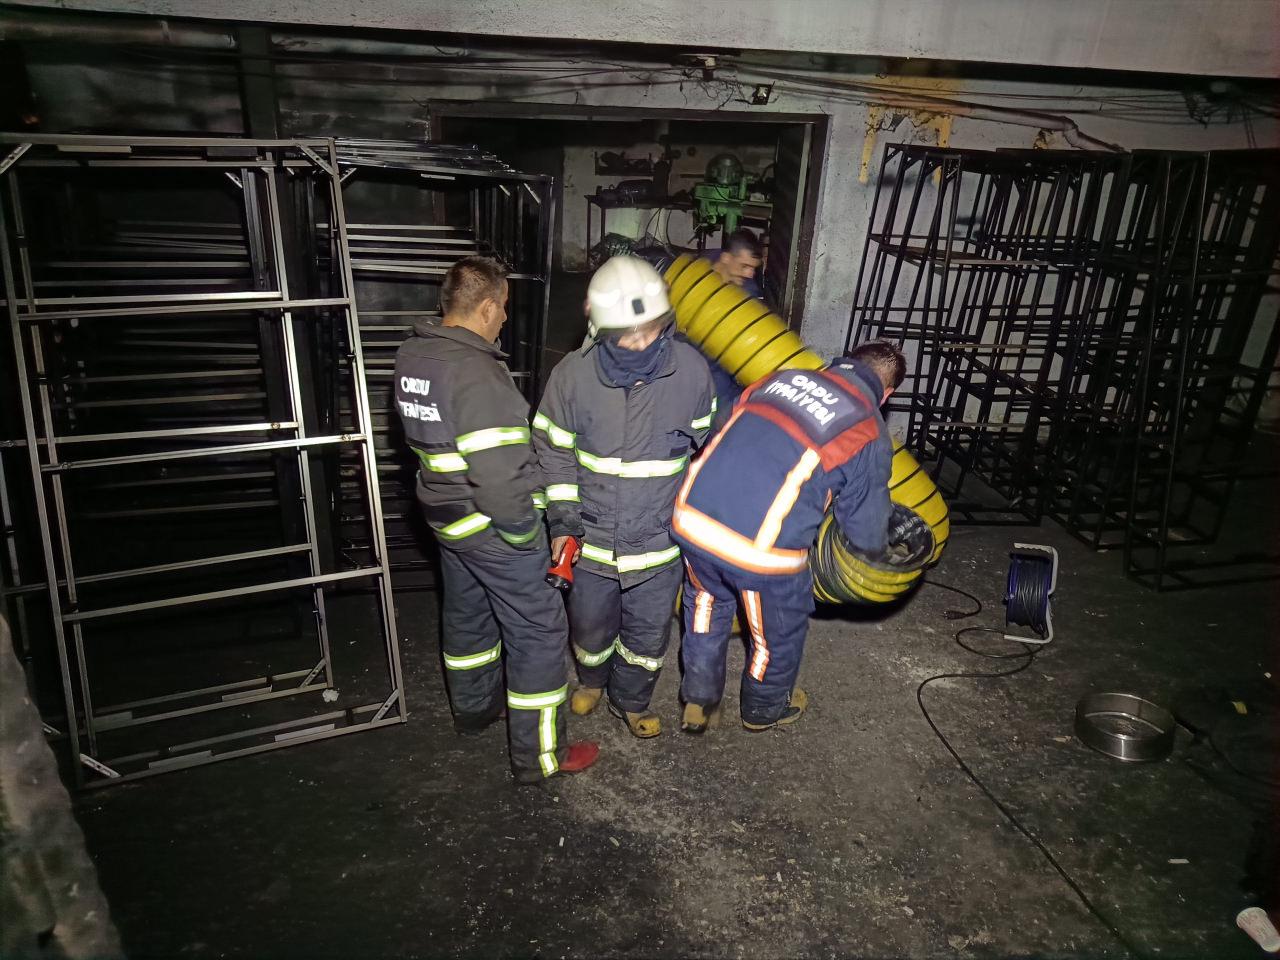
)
(796, 704)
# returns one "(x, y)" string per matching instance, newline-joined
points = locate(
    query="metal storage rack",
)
(976, 263)
(156, 360)
(450, 202)
(1088, 338)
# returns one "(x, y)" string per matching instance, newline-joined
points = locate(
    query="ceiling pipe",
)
(873, 93)
(34, 27)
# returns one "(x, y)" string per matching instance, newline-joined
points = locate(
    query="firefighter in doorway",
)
(749, 510)
(614, 432)
(478, 487)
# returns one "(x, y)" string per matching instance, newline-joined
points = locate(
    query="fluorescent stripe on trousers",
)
(589, 659)
(703, 604)
(759, 647)
(473, 660)
(546, 704)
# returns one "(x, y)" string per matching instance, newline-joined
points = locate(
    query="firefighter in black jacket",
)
(478, 486)
(614, 433)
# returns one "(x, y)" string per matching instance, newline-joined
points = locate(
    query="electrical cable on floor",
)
(1027, 594)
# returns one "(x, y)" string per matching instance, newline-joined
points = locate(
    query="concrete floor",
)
(851, 834)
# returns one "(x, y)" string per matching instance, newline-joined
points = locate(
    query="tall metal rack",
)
(976, 262)
(1088, 335)
(1208, 358)
(417, 208)
(158, 359)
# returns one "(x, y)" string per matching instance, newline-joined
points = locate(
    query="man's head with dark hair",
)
(885, 360)
(740, 257)
(474, 296)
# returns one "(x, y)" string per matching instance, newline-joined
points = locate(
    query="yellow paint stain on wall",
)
(930, 125)
(875, 114)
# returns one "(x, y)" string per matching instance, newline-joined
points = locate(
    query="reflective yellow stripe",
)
(631, 562)
(557, 492)
(442, 462)
(547, 741)
(588, 659)
(472, 523)
(633, 469)
(473, 660)
(518, 539)
(478, 440)
(652, 664)
(536, 701)
(475, 522)
(559, 436)
(704, 423)
(786, 498)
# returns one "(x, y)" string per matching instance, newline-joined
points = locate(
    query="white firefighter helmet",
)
(625, 293)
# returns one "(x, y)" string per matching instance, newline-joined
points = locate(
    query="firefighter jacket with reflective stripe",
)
(796, 440)
(469, 426)
(613, 457)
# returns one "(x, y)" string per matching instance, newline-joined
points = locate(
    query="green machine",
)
(719, 198)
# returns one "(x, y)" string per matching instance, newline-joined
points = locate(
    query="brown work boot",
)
(698, 719)
(642, 725)
(795, 709)
(585, 699)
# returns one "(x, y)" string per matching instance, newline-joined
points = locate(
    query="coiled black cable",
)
(1026, 594)
(1032, 590)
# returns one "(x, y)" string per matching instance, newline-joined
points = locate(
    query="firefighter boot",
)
(579, 757)
(698, 719)
(585, 699)
(642, 725)
(795, 708)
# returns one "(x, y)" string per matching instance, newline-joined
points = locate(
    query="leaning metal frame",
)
(509, 215)
(262, 160)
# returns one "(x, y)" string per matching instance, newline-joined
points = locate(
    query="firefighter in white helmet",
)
(618, 422)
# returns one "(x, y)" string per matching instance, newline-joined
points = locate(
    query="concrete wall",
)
(1223, 37)
(120, 92)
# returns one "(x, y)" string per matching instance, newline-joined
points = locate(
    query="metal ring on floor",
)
(1125, 727)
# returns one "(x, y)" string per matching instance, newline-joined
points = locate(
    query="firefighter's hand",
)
(557, 548)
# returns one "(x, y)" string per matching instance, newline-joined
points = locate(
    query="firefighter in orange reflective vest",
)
(798, 442)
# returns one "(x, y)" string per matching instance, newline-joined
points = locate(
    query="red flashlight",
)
(560, 575)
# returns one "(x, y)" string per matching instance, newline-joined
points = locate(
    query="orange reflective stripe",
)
(693, 577)
(702, 607)
(786, 498)
(755, 622)
(731, 546)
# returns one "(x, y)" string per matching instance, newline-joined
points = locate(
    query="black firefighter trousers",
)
(499, 611)
(620, 634)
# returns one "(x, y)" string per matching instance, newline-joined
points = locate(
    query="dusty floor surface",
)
(851, 834)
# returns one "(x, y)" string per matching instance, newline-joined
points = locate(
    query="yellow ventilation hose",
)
(750, 341)
(731, 327)
(912, 487)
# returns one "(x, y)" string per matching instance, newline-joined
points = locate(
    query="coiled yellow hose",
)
(751, 341)
(912, 487)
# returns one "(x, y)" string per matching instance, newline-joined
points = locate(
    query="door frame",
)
(439, 110)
